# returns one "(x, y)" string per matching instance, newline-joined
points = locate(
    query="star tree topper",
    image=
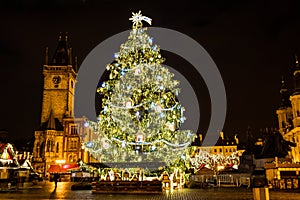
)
(137, 19)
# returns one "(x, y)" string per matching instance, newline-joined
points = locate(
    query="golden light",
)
(220, 168)
(60, 161)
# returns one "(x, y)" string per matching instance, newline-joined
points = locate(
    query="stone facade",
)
(59, 137)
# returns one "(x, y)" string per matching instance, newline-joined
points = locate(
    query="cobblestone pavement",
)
(63, 191)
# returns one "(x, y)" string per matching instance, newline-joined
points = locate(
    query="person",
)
(56, 177)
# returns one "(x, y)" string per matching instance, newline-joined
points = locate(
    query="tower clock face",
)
(56, 80)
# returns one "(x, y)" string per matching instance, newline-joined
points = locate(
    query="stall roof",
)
(63, 168)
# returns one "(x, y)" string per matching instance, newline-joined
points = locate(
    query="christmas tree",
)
(141, 114)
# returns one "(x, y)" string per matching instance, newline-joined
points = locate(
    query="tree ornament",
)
(158, 107)
(137, 19)
(172, 126)
(140, 136)
(137, 71)
(129, 103)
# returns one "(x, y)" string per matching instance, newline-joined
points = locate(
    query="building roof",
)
(62, 55)
(62, 169)
(51, 124)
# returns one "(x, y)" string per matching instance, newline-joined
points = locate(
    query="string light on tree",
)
(141, 114)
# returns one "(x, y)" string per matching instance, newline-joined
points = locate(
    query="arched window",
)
(74, 158)
(73, 130)
(57, 147)
(70, 158)
(52, 146)
(42, 150)
(71, 144)
(48, 146)
(37, 152)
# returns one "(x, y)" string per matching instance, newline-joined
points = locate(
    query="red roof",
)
(63, 168)
(66, 167)
(54, 169)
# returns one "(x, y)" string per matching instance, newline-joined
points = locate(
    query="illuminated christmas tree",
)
(141, 114)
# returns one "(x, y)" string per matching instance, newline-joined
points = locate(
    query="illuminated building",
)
(224, 146)
(59, 137)
(289, 114)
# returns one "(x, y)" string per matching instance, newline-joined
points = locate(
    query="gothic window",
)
(74, 158)
(38, 149)
(48, 146)
(73, 144)
(220, 149)
(52, 146)
(57, 147)
(298, 113)
(70, 158)
(73, 130)
(42, 149)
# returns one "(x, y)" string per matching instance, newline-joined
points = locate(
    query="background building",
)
(289, 114)
(225, 146)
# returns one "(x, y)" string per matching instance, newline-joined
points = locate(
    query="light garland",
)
(214, 162)
(141, 115)
(4, 159)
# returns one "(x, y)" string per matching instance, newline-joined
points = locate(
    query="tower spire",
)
(70, 54)
(66, 36)
(296, 76)
(51, 121)
(46, 56)
(61, 55)
(76, 64)
(284, 93)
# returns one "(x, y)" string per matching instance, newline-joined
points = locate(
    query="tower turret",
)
(284, 112)
(59, 82)
(296, 77)
(295, 97)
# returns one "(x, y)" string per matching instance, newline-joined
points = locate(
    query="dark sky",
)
(253, 44)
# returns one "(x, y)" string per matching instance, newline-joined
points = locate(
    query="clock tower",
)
(59, 81)
(58, 139)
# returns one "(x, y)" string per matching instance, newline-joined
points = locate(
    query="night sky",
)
(253, 43)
